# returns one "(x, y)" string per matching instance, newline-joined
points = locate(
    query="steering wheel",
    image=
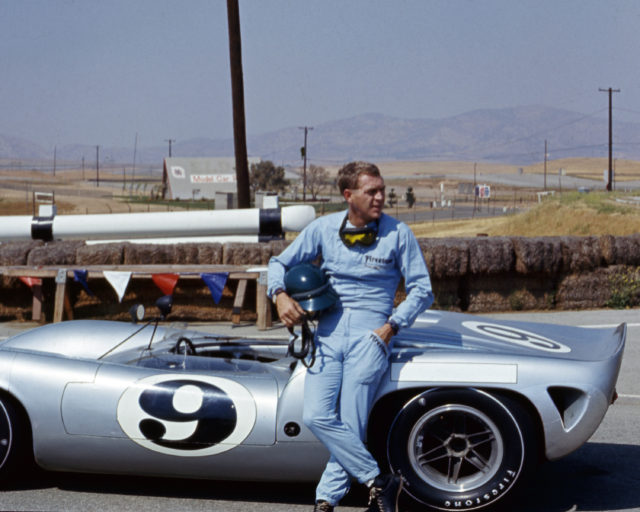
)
(189, 349)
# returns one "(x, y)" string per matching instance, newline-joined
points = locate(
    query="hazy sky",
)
(100, 71)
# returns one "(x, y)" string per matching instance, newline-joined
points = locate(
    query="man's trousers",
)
(339, 390)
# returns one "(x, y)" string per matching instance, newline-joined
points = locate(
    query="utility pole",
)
(54, 159)
(610, 91)
(237, 96)
(475, 184)
(133, 172)
(166, 140)
(98, 165)
(303, 151)
(546, 154)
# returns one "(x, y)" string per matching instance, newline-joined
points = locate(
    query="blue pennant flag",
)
(80, 276)
(215, 282)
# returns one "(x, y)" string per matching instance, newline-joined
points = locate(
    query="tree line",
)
(266, 176)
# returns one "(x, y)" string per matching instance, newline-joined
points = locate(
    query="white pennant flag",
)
(118, 280)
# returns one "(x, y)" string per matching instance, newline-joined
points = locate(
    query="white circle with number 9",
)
(517, 336)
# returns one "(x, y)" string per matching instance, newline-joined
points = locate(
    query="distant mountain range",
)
(508, 135)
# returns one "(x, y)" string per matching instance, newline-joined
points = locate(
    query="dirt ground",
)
(73, 194)
(76, 192)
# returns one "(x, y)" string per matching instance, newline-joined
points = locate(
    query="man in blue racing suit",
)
(364, 253)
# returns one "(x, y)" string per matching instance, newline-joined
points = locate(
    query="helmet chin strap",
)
(301, 346)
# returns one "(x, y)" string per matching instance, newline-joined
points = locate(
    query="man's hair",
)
(349, 174)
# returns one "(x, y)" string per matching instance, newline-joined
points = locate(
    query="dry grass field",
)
(588, 168)
(596, 213)
(74, 194)
(566, 214)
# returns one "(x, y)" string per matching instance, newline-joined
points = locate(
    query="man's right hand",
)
(289, 311)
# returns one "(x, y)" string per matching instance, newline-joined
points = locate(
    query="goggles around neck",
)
(365, 235)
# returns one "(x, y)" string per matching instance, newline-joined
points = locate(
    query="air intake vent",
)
(571, 404)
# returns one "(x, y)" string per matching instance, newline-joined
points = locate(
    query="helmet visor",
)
(317, 299)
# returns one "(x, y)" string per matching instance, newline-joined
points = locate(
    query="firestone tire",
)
(461, 449)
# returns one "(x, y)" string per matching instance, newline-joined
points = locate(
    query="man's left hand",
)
(385, 332)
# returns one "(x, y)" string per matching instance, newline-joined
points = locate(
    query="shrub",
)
(625, 288)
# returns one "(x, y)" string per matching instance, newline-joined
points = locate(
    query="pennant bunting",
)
(80, 276)
(215, 282)
(166, 282)
(31, 281)
(118, 280)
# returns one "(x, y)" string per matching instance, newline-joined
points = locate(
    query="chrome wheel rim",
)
(455, 447)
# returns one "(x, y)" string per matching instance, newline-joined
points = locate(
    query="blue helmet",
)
(310, 287)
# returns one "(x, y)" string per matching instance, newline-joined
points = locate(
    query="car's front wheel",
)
(461, 449)
(14, 441)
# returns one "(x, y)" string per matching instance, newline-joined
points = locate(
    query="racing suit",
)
(350, 357)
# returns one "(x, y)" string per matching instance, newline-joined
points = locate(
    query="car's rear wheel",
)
(14, 441)
(461, 449)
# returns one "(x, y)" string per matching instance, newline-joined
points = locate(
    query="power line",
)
(626, 110)
(541, 132)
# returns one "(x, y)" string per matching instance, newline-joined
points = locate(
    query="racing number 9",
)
(193, 416)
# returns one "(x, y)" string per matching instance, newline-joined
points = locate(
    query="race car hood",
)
(440, 330)
(433, 330)
(88, 339)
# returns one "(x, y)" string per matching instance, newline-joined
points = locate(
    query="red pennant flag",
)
(166, 282)
(30, 281)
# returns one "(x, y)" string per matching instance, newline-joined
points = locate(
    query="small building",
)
(199, 178)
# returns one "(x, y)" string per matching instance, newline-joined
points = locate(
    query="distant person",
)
(410, 197)
(393, 198)
(364, 253)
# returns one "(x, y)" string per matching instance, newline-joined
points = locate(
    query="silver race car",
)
(468, 407)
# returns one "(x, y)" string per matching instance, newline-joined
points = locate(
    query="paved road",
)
(602, 476)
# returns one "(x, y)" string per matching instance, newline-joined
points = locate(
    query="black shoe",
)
(323, 506)
(383, 494)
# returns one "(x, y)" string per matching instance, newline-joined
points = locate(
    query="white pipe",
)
(153, 225)
(15, 227)
(296, 218)
(245, 239)
(118, 226)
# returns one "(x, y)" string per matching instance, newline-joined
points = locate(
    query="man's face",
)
(366, 201)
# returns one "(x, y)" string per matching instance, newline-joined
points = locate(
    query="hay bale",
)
(446, 294)
(54, 253)
(493, 255)
(210, 254)
(277, 246)
(100, 254)
(537, 255)
(509, 293)
(245, 254)
(581, 254)
(148, 254)
(584, 290)
(16, 253)
(185, 254)
(620, 250)
(445, 257)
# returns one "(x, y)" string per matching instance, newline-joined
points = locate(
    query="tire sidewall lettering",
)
(483, 498)
(488, 492)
